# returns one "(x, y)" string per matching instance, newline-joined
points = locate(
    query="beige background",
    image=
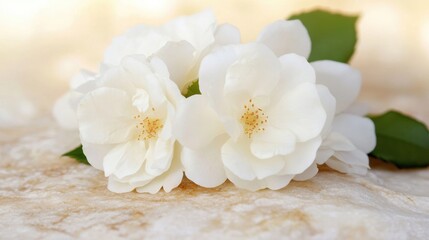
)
(43, 43)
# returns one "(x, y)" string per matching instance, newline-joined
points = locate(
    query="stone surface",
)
(43, 196)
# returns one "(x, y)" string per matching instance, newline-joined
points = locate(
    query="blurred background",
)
(43, 43)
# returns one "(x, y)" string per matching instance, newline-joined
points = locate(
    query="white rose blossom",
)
(125, 126)
(347, 136)
(344, 146)
(180, 43)
(257, 122)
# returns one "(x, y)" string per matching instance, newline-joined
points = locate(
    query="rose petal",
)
(343, 82)
(309, 173)
(359, 130)
(81, 78)
(159, 157)
(323, 154)
(354, 158)
(118, 187)
(212, 75)
(124, 159)
(329, 104)
(236, 156)
(295, 70)
(141, 39)
(140, 178)
(105, 116)
(273, 182)
(95, 153)
(301, 158)
(204, 166)
(179, 58)
(137, 73)
(141, 100)
(338, 142)
(227, 34)
(196, 123)
(286, 37)
(152, 187)
(358, 108)
(346, 168)
(272, 142)
(80, 92)
(169, 180)
(255, 73)
(64, 114)
(278, 181)
(197, 29)
(300, 111)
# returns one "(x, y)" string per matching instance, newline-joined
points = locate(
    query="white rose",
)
(257, 122)
(347, 136)
(125, 126)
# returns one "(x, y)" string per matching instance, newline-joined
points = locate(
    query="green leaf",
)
(78, 155)
(333, 36)
(193, 88)
(401, 140)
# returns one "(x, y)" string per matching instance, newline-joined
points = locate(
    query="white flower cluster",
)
(265, 115)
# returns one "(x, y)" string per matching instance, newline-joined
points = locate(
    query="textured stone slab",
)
(43, 196)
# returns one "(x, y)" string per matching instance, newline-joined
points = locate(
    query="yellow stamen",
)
(148, 127)
(252, 119)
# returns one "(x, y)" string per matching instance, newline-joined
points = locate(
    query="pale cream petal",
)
(299, 111)
(286, 37)
(179, 58)
(64, 113)
(196, 124)
(309, 173)
(329, 104)
(275, 182)
(124, 159)
(204, 166)
(95, 153)
(105, 116)
(236, 156)
(169, 180)
(301, 158)
(227, 34)
(354, 158)
(197, 29)
(272, 142)
(118, 187)
(255, 73)
(343, 81)
(359, 130)
(159, 157)
(323, 155)
(295, 70)
(346, 168)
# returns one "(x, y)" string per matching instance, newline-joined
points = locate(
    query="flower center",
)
(147, 127)
(253, 119)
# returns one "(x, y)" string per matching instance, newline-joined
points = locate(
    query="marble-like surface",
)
(43, 196)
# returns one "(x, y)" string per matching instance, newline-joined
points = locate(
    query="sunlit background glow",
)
(43, 43)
